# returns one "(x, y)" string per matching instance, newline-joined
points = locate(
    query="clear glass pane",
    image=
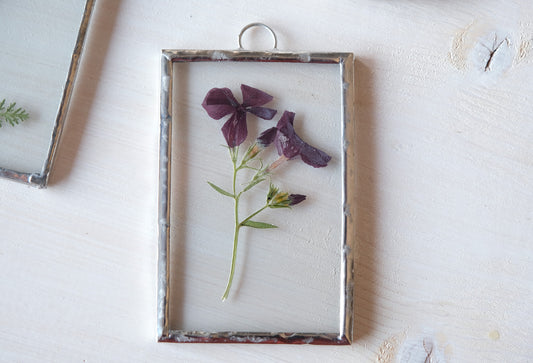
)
(287, 279)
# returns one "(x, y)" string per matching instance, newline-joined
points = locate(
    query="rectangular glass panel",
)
(287, 279)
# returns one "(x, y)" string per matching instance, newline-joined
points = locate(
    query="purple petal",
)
(235, 129)
(262, 112)
(314, 157)
(286, 118)
(254, 97)
(287, 142)
(267, 137)
(296, 198)
(219, 102)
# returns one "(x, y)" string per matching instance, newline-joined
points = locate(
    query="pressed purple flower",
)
(220, 102)
(290, 145)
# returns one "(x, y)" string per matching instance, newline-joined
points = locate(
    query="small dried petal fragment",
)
(296, 198)
(267, 137)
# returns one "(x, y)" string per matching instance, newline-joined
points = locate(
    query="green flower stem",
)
(238, 225)
(233, 258)
(233, 154)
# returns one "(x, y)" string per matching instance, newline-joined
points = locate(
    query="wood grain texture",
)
(444, 185)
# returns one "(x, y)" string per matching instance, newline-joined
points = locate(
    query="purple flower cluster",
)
(220, 102)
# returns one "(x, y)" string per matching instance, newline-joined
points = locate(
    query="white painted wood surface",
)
(445, 180)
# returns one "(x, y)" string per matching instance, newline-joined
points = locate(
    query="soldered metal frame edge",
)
(346, 68)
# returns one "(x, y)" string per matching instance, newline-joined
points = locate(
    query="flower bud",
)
(281, 199)
(296, 198)
(272, 191)
(251, 153)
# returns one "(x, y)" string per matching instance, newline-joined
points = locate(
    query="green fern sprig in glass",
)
(11, 114)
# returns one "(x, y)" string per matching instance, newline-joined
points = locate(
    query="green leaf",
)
(261, 225)
(220, 190)
(12, 115)
(253, 183)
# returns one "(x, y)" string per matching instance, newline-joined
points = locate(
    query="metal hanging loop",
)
(252, 25)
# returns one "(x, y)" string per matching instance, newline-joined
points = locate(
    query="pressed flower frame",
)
(174, 144)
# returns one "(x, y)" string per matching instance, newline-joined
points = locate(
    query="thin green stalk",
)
(234, 155)
(233, 258)
(237, 224)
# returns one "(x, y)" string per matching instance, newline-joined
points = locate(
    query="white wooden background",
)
(445, 185)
